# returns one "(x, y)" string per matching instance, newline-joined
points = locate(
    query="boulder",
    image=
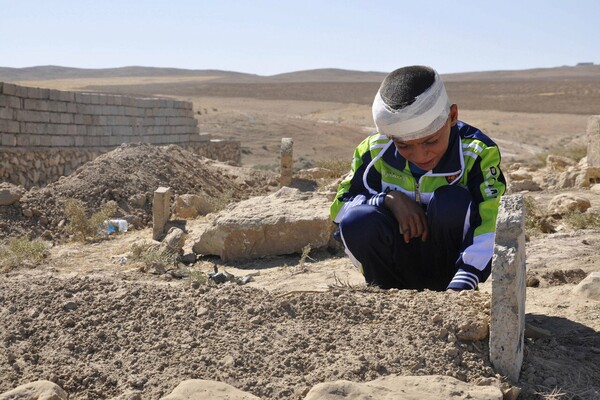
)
(174, 241)
(523, 185)
(38, 390)
(10, 194)
(281, 223)
(192, 205)
(200, 389)
(520, 175)
(589, 287)
(404, 387)
(568, 202)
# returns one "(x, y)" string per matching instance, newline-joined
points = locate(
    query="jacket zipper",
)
(417, 192)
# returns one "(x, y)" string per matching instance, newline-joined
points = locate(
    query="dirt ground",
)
(88, 319)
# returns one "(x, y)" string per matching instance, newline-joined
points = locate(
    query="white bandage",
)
(424, 117)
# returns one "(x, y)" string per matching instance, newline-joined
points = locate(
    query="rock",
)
(200, 389)
(524, 185)
(474, 330)
(404, 387)
(281, 223)
(189, 258)
(520, 175)
(145, 245)
(192, 205)
(547, 225)
(573, 177)
(315, 173)
(10, 194)
(174, 241)
(559, 162)
(38, 390)
(138, 200)
(567, 202)
(589, 287)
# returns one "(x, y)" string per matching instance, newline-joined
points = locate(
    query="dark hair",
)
(401, 87)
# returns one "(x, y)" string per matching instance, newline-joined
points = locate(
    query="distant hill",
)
(579, 72)
(50, 72)
(327, 75)
(574, 90)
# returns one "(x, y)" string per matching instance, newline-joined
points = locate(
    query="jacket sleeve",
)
(352, 191)
(486, 184)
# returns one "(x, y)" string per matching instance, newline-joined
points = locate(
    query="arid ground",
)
(89, 320)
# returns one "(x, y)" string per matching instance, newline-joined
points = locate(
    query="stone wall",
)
(46, 133)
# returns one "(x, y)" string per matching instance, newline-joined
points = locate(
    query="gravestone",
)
(287, 161)
(507, 319)
(161, 211)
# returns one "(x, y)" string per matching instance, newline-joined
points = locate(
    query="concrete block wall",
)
(46, 133)
(35, 117)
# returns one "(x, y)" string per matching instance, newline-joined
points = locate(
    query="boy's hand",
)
(409, 214)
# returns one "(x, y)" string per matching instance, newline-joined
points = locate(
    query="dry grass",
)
(579, 220)
(22, 252)
(85, 228)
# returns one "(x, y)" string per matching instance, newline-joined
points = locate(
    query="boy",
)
(418, 209)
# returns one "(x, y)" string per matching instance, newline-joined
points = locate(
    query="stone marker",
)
(161, 211)
(507, 320)
(287, 161)
(593, 149)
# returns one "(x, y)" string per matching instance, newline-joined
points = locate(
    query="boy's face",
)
(427, 152)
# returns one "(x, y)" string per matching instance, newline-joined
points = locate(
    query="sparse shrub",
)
(267, 167)
(532, 218)
(198, 277)
(338, 167)
(82, 227)
(304, 163)
(585, 220)
(22, 252)
(221, 202)
(574, 152)
(150, 256)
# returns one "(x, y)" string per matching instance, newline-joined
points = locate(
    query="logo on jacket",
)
(452, 178)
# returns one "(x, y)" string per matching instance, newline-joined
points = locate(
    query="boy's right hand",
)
(409, 214)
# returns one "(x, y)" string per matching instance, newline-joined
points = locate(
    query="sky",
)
(268, 37)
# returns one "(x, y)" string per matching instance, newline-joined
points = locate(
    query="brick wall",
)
(45, 133)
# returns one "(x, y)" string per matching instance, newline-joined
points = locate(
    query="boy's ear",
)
(453, 114)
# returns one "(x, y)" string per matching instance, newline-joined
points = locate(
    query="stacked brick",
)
(46, 134)
(35, 117)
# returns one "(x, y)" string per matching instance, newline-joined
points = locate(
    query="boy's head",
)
(411, 103)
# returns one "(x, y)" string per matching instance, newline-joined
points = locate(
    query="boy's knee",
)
(449, 205)
(362, 222)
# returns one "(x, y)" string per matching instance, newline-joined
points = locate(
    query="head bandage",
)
(424, 117)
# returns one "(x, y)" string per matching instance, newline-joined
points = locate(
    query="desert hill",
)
(563, 90)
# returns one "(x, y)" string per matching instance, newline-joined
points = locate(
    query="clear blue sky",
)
(267, 37)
